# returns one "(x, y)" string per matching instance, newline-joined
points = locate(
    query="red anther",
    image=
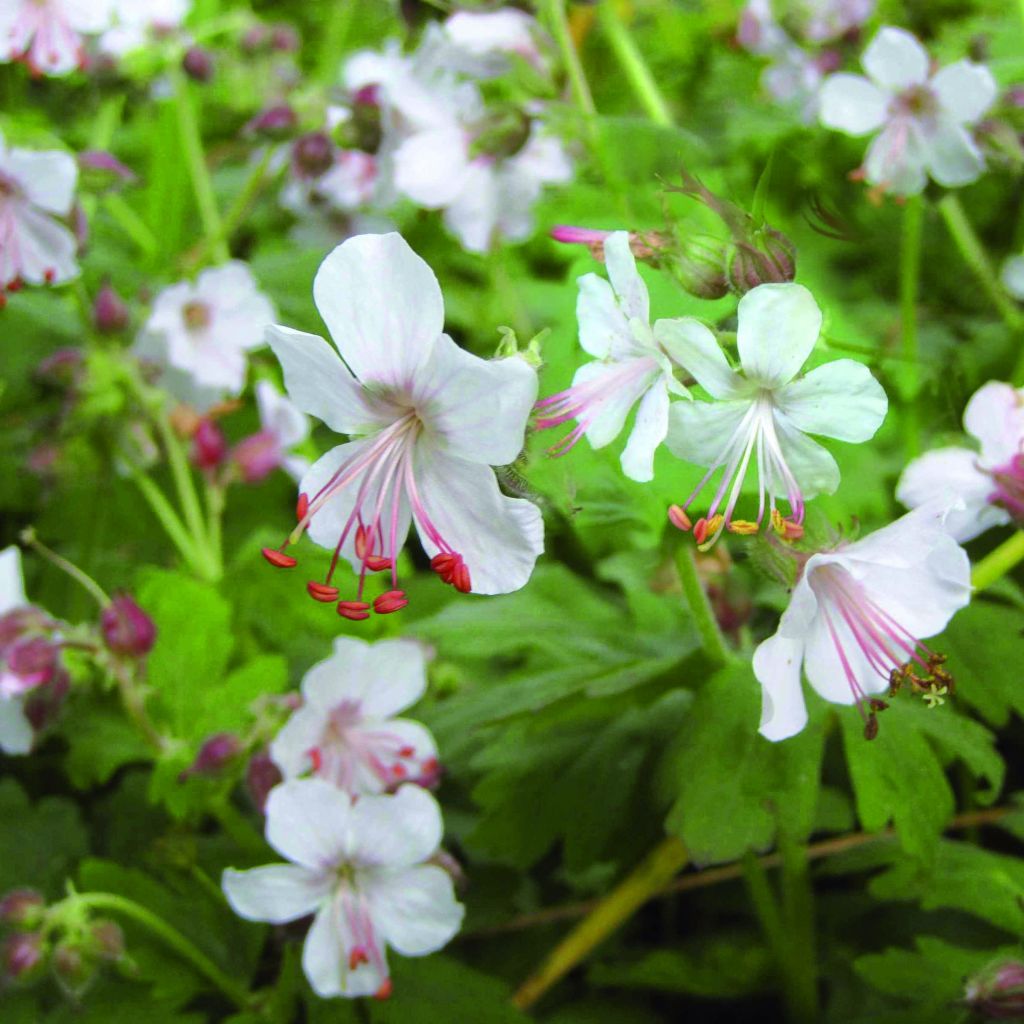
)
(316, 758)
(406, 751)
(384, 992)
(16, 285)
(678, 518)
(3, 301)
(49, 275)
(377, 563)
(700, 530)
(279, 559)
(391, 601)
(356, 957)
(301, 507)
(322, 592)
(442, 563)
(399, 771)
(461, 580)
(355, 611)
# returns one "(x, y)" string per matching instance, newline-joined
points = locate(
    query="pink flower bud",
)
(997, 991)
(284, 38)
(214, 755)
(101, 171)
(261, 777)
(198, 64)
(108, 939)
(209, 445)
(109, 311)
(127, 629)
(255, 39)
(312, 155)
(257, 456)
(275, 122)
(22, 956)
(73, 968)
(62, 367)
(29, 663)
(19, 622)
(22, 909)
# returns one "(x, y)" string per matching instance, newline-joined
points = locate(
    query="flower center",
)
(918, 101)
(197, 315)
(353, 919)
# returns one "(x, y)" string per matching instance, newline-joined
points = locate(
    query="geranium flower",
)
(36, 187)
(633, 363)
(430, 420)
(922, 119)
(283, 427)
(345, 732)
(137, 21)
(16, 733)
(988, 485)
(200, 333)
(359, 866)
(480, 42)
(856, 618)
(47, 34)
(763, 414)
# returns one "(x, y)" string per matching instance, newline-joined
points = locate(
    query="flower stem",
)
(703, 616)
(29, 539)
(558, 22)
(996, 564)
(171, 938)
(660, 866)
(910, 274)
(134, 704)
(168, 519)
(195, 159)
(131, 224)
(632, 61)
(215, 514)
(334, 36)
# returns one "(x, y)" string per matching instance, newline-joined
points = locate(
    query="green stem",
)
(798, 912)
(558, 22)
(703, 616)
(135, 706)
(910, 275)
(131, 224)
(168, 519)
(632, 61)
(28, 538)
(215, 514)
(996, 564)
(171, 938)
(195, 160)
(334, 38)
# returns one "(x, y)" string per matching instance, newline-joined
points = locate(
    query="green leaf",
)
(101, 740)
(116, 1001)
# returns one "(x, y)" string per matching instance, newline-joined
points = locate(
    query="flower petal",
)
(16, 733)
(308, 821)
(852, 104)
(825, 669)
(779, 325)
(621, 390)
(12, 584)
(416, 909)
(604, 328)
(383, 307)
(702, 432)
(326, 957)
(46, 177)
(38, 249)
(897, 159)
(840, 399)
(296, 738)
(500, 538)
(965, 90)
(814, 468)
(777, 663)
(280, 416)
(626, 281)
(953, 156)
(695, 348)
(649, 430)
(476, 409)
(432, 167)
(895, 60)
(396, 831)
(276, 893)
(473, 215)
(995, 416)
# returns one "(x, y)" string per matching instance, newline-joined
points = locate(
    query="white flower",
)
(632, 364)
(283, 426)
(922, 119)
(359, 866)
(856, 618)
(345, 732)
(1013, 277)
(480, 41)
(761, 416)
(136, 21)
(430, 420)
(987, 485)
(200, 332)
(47, 34)
(36, 187)
(16, 733)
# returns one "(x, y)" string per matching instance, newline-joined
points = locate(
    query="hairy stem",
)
(558, 23)
(910, 274)
(29, 539)
(704, 618)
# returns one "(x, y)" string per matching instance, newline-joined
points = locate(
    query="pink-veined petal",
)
(326, 957)
(995, 416)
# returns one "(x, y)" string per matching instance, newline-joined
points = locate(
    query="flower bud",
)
(102, 172)
(312, 155)
(214, 755)
(108, 939)
(284, 38)
(700, 267)
(997, 991)
(255, 39)
(503, 135)
(30, 662)
(768, 257)
(257, 456)
(197, 64)
(364, 126)
(275, 122)
(209, 445)
(127, 629)
(22, 909)
(261, 777)
(109, 311)
(63, 367)
(23, 956)
(73, 968)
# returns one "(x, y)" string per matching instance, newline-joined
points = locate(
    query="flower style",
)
(200, 333)
(633, 363)
(429, 420)
(923, 120)
(359, 866)
(987, 485)
(345, 733)
(283, 427)
(47, 34)
(137, 21)
(856, 618)
(36, 187)
(763, 414)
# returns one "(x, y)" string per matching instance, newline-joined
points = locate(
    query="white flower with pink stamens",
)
(36, 187)
(857, 617)
(986, 484)
(282, 427)
(16, 733)
(428, 419)
(762, 415)
(47, 34)
(358, 865)
(633, 364)
(345, 731)
(923, 119)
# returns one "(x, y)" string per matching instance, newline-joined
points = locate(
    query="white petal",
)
(416, 909)
(897, 159)
(475, 213)
(778, 327)
(16, 733)
(625, 278)
(500, 538)
(280, 416)
(852, 104)
(325, 958)
(12, 583)
(649, 430)
(609, 417)
(47, 178)
(543, 159)
(1013, 277)
(320, 384)
(41, 250)
(431, 167)
(701, 432)
(895, 60)
(953, 156)
(399, 672)
(396, 831)
(604, 328)
(476, 409)
(276, 893)
(995, 416)
(825, 669)
(695, 348)
(308, 822)
(777, 663)
(383, 307)
(296, 738)
(965, 90)
(952, 475)
(814, 468)
(840, 399)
